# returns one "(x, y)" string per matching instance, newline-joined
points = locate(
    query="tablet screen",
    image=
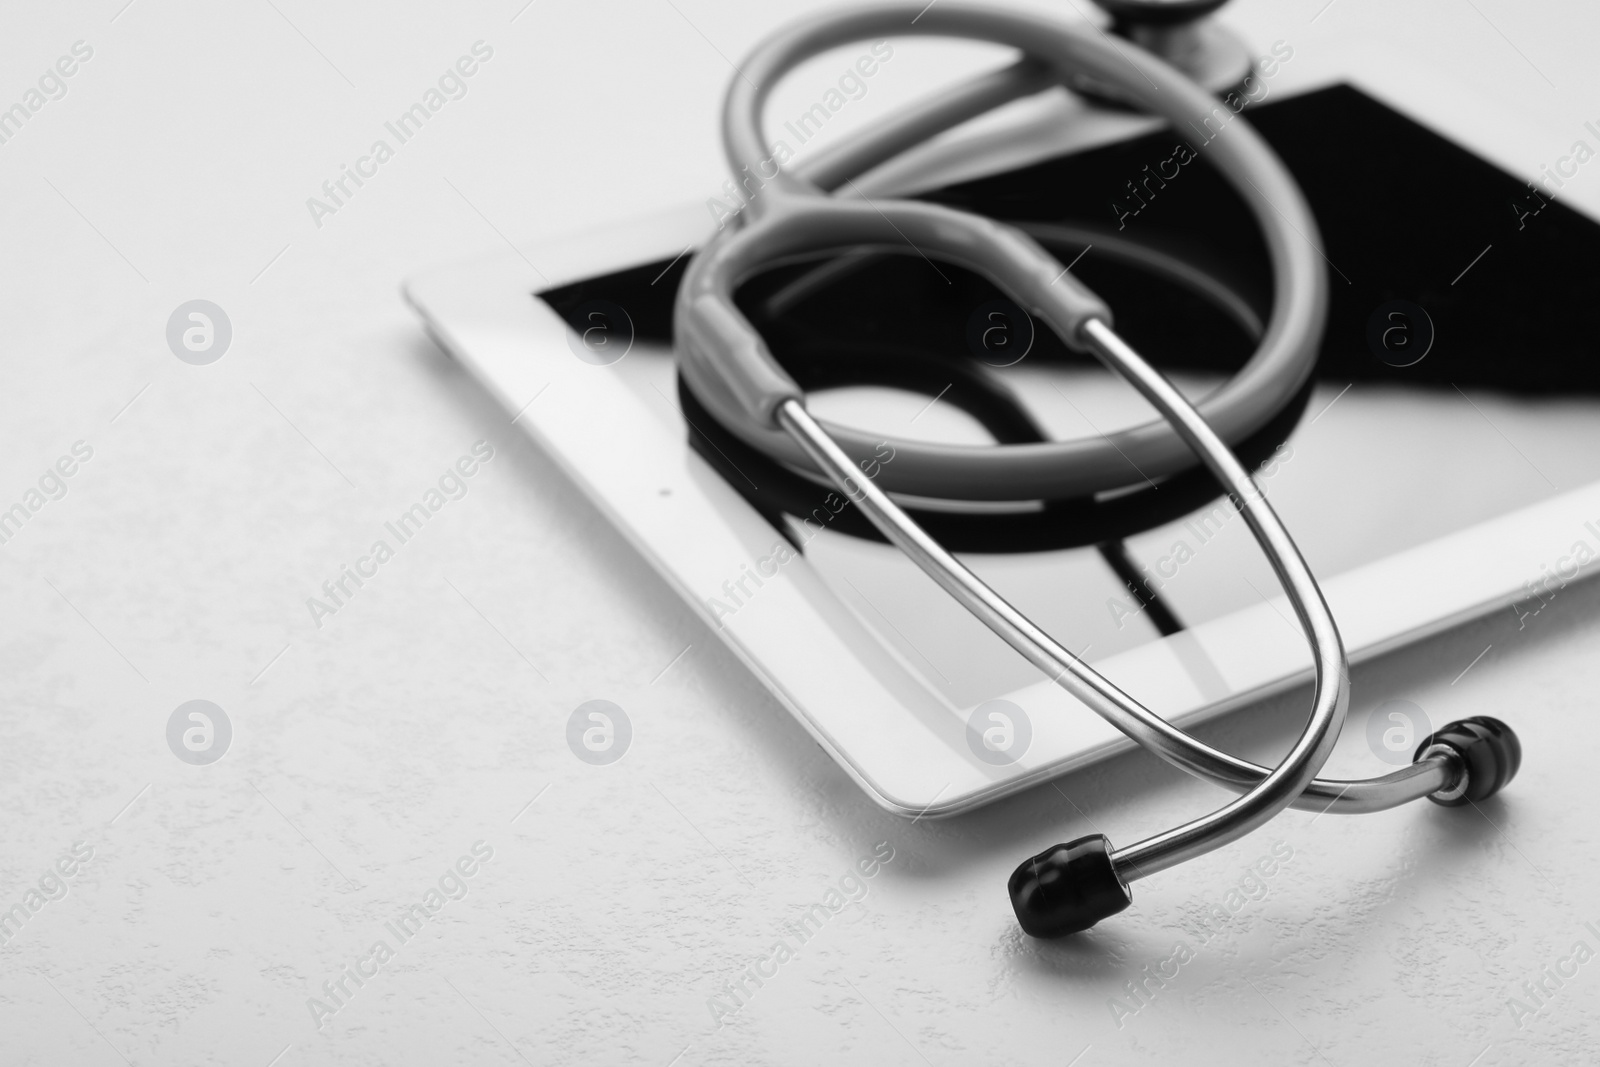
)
(1457, 378)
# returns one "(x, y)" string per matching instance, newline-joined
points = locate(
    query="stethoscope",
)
(730, 372)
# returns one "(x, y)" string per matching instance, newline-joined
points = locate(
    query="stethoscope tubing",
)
(1270, 791)
(1055, 470)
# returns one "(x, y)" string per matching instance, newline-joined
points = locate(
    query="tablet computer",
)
(1444, 464)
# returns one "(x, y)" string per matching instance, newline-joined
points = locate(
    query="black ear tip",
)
(1489, 752)
(1067, 888)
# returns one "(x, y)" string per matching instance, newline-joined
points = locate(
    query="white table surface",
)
(369, 754)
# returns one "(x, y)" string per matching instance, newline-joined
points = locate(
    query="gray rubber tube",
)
(925, 120)
(731, 372)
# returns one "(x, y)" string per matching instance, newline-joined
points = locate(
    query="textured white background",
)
(374, 751)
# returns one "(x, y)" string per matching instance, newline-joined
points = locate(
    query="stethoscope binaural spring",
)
(726, 365)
